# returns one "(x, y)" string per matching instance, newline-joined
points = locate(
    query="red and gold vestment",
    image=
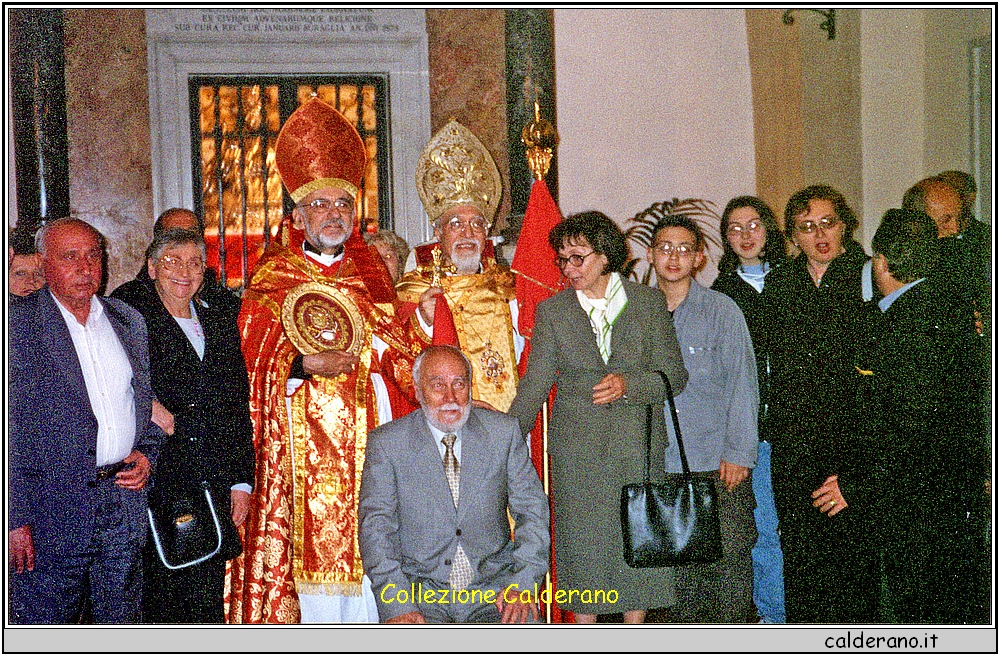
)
(300, 535)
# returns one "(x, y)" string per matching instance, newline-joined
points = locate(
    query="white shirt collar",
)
(438, 434)
(887, 301)
(456, 448)
(326, 259)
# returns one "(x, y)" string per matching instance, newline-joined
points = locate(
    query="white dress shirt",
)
(107, 373)
(193, 331)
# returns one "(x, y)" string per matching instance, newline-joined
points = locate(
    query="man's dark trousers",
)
(110, 567)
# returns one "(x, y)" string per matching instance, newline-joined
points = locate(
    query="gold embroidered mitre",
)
(456, 169)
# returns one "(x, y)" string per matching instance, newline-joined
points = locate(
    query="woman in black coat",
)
(818, 321)
(200, 378)
(754, 249)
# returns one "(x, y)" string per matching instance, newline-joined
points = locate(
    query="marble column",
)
(38, 102)
(530, 78)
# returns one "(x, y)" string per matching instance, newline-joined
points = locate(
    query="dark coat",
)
(209, 398)
(212, 440)
(751, 303)
(815, 336)
(964, 271)
(52, 430)
(927, 458)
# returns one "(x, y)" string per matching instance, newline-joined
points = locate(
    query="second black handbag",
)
(670, 523)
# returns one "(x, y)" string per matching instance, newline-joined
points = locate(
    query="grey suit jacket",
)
(564, 353)
(53, 431)
(410, 528)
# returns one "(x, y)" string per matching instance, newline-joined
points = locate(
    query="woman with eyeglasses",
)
(817, 321)
(754, 248)
(600, 343)
(200, 380)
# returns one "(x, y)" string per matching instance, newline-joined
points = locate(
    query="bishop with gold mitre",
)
(321, 344)
(454, 289)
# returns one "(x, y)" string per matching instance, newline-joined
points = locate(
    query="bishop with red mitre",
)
(323, 349)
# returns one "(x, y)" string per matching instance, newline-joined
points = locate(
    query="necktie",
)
(461, 569)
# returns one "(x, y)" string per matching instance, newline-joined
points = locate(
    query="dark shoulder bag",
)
(186, 528)
(673, 523)
(187, 523)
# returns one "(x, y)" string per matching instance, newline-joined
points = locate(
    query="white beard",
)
(466, 264)
(323, 242)
(433, 417)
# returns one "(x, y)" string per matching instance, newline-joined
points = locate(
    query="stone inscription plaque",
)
(282, 24)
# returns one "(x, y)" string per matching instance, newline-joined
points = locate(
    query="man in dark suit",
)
(81, 439)
(964, 250)
(435, 489)
(924, 458)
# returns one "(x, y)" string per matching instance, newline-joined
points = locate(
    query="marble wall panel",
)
(467, 81)
(107, 111)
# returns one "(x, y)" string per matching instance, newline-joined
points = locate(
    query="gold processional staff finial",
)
(540, 139)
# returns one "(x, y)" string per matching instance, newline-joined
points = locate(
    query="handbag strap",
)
(649, 439)
(677, 428)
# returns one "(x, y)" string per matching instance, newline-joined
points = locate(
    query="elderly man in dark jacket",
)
(81, 440)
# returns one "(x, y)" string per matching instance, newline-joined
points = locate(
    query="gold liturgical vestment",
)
(480, 308)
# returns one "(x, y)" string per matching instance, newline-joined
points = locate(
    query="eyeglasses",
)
(735, 229)
(809, 227)
(175, 264)
(438, 385)
(575, 260)
(681, 250)
(325, 205)
(477, 225)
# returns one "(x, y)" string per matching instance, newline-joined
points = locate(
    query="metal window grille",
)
(235, 122)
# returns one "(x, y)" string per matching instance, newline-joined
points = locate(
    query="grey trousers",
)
(456, 613)
(722, 592)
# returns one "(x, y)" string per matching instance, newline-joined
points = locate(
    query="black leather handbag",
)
(189, 524)
(186, 528)
(673, 523)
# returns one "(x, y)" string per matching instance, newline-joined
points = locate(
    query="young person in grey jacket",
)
(718, 419)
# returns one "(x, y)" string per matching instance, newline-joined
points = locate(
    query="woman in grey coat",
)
(600, 343)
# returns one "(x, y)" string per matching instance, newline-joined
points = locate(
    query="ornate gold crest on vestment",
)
(319, 318)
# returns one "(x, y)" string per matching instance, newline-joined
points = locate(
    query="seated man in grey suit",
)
(81, 440)
(436, 486)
